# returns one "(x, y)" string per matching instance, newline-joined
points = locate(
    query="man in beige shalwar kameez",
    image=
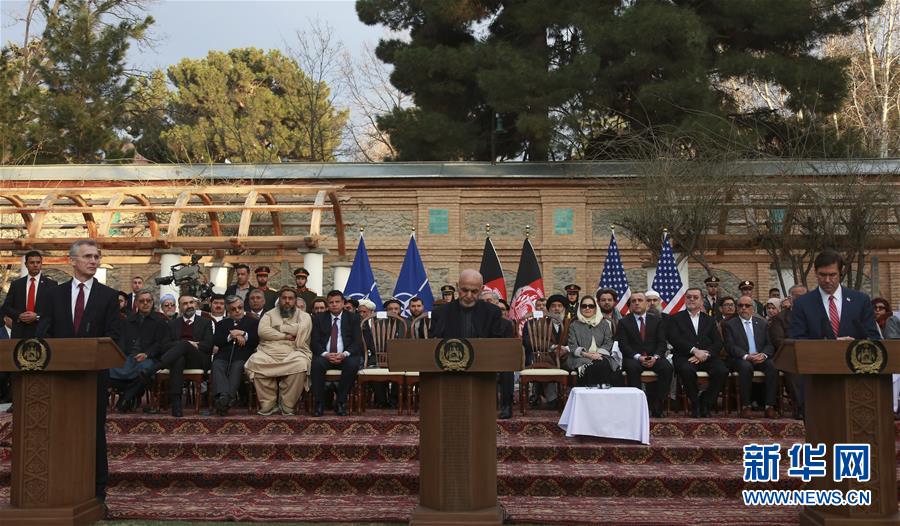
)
(281, 362)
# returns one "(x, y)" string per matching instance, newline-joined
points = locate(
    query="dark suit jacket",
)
(809, 321)
(779, 327)
(17, 298)
(229, 350)
(232, 291)
(680, 332)
(152, 337)
(350, 331)
(130, 307)
(201, 330)
(736, 338)
(489, 322)
(101, 314)
(629, 337)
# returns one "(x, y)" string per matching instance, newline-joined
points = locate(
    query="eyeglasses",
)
(880, 307)
(588, 306)
(745, 305)
(168, 304)
(147, 300)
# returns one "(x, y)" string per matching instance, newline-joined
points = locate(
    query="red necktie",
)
(79, 308)
(134, 302)
(642, 328)
(334, 336)
(29, 303)
(833, 315)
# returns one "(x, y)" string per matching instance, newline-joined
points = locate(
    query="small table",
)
(618, 412)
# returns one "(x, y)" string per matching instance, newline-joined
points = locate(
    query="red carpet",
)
(365, 469)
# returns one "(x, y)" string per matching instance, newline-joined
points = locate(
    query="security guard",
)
(300, 277)
(573, 292)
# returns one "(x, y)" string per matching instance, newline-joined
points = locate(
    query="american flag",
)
(613, 276)
(667, 281)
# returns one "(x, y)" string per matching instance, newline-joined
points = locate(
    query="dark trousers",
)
(507, 383)
(226, 377)
(688, 374)
(5, 387)
(102, 463)
(349, 367)
(597, 373)
(182, 355)
(745, 379)
(797, 383)
(656, 391)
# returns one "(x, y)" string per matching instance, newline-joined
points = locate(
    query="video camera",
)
(187, 278)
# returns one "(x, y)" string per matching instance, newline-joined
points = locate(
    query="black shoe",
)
(695, 412)
(176, 409)
(221, 405)
(339, 409)
(319, 410)
(505, 412)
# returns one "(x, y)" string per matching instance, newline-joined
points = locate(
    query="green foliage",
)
(84, 85)
(246, 105)
(572, 79)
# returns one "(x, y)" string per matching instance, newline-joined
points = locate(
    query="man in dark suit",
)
(192, 337)
(137, 283)
(144, 339)
(236, 337)
(832, 311)
(241, 287)
(779, 328)
(27, 297)
(85, 308)
(696, 343)
(749, 349)
(467, 317)
(336, 344)
(642, 340)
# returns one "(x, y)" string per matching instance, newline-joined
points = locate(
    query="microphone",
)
(825, 329)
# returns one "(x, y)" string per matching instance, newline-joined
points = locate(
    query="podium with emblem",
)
(457, 424)
(53, 429)
(849, 401)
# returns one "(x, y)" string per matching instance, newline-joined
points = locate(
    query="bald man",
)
(470, 317)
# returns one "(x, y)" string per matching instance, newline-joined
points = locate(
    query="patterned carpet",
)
(365, 469)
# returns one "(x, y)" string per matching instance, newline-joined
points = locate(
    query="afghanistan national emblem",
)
(32, 354)
(454, 354)
(866, 356)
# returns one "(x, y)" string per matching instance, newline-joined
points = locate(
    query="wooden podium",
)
(458, 429)
(843, 406)
(53, 431)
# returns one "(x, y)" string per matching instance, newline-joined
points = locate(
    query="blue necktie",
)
(751, 340)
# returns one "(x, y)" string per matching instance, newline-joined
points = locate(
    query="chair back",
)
(540, 338)
(383, 331)
(422, 325)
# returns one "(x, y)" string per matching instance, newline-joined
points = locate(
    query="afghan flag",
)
(491, 270)
(529, 284)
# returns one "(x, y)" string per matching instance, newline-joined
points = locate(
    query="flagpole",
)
(527, 231)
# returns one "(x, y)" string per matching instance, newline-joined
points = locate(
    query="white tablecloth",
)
(619, 412)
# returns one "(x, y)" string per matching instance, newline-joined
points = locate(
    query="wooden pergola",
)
(135, 218)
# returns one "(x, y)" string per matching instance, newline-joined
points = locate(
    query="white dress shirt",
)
(87, 293)
(340, 340)
(838, 297)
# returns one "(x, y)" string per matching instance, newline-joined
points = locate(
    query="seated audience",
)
(642, 341)
(590, 343)
(336, 344)
(747, 341)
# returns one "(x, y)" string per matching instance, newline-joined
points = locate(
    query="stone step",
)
(603, 479)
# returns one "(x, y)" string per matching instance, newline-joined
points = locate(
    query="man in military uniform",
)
(746, 288)
(262, 281)
(448, 293)
(572, 295)
(712, 297)
(300, 277)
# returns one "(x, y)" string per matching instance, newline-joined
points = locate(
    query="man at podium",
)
(467, 317)
(832, 311)
(85, 308)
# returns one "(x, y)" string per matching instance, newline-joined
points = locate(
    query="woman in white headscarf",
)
(591, 344)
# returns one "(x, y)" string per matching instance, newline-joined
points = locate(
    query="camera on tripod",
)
(187, 279)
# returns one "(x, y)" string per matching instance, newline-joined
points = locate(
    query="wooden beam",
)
(293, 189)
(106, 217)
(247, 213)
(68, 209)
(175, 218)
(35, 227)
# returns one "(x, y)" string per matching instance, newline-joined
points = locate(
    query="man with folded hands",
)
(280, 366)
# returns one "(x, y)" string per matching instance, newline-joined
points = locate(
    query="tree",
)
(64, 93)
(568, 78)
(246, 105)
(872, 53)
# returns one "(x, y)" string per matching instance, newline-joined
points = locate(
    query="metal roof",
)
(436, 170)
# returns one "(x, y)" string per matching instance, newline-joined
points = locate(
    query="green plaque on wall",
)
(563, 222)
(438, 221)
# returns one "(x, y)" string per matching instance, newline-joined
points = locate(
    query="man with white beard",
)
(282, 360)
